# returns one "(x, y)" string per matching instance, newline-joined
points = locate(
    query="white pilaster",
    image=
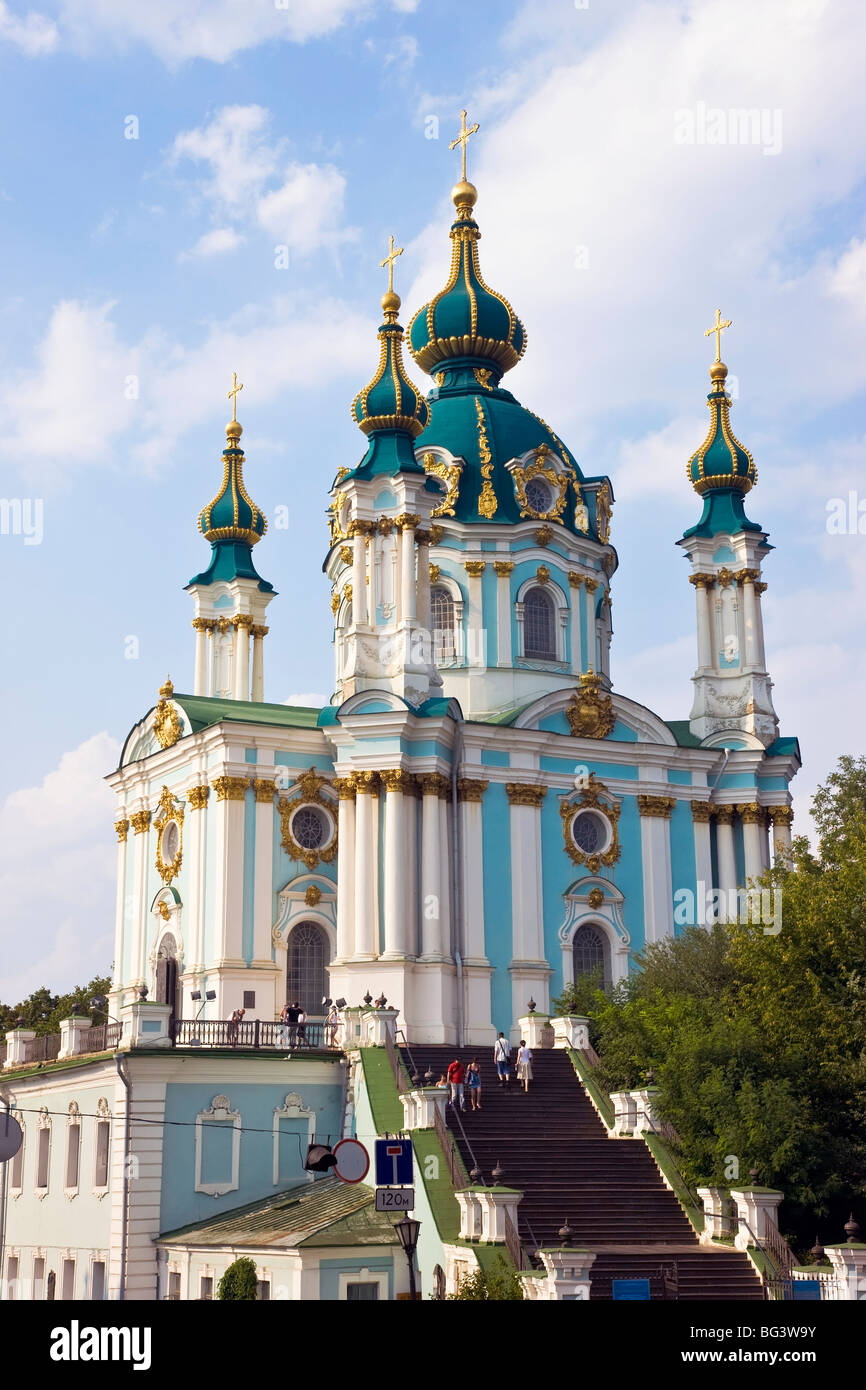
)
(656, 851)
(575, 582)
(201, 656)
(366, 859)
(121, 826)
(263, 898)
(432, 937)
(345, 868)
(727, 864)
(140, 821)
(228, 812)
(259, 632)
(194, 857)
(504, 569)
(408, 606)
(359, 579)
(529, 970)
(394, 905)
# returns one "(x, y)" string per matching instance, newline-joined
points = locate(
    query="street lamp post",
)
(407, 1233)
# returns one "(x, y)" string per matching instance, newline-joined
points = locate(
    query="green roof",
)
(682, 733)
(326, 1212)
(204, 710)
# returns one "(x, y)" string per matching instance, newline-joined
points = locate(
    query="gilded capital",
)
(121, 826)
(702, 580)
(724, 814)
(230, 788)
(760, 587)
(660, 806)
(259, 630)
(407, 521)
(701, 811)
(396, 779)
(781, 815)
(367, 781)
(591, 585)
(242, 620)
(747, 576)
(140, 821)
(204, 624)
(544, 535)
(345, 788)
(503, 567)
(264, 789)
(471, 789)
(575, 579)
(197, 797)
(474, 568)
(751, 813)
(385, 525)
(525, 794)
(422, 537)
(434, 784)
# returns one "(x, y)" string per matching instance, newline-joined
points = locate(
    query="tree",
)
(500, 1283)
(239, 1283)
(43, 1010)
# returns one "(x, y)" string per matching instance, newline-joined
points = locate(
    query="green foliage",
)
(581, 999)
(758, 1042)
(43, 1010)
(239, 1282)
(500, 1284)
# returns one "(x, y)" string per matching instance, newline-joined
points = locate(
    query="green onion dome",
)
(390, 401)
(721, 461)
(232, 515)
(467, 318)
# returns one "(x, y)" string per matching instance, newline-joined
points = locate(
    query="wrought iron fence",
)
(514, 1245)
(449, 1148)
(44, 1049)
(254, 1034)
(101, 1036)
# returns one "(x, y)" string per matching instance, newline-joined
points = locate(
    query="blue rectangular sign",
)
(394, 1163)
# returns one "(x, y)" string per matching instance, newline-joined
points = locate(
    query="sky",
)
(192, 189)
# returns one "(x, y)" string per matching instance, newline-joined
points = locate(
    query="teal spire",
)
(232, 522)
(722, 470)
(390, 410)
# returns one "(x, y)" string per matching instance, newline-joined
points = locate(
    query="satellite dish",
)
(353, 1161)
(11, 1137)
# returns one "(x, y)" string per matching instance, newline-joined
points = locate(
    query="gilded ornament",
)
(162, 907)
(449, 474)
(121, 826)
(503, 567)
(471, 789)
(169, 811)
(525, 794)
(346, 554)
(590, 713)
(335, 600)
(140, 821)
(575, 579)
(313, 895)
(725, 577)
(544, 535)
(591, 585)
(439, 378)
(596, 797)
(751, 813)
(718, 328)
(596, 898)
(542, 574)
(434, 784)
(230, 788)
(434, 574)
(347, 593)
(385, 525)
(724, 814)
(223, 624)
(658, 806)
(487, 503)
(474, 568)
(701, 811)
(436, 533)
(603, 509)
(197, 797)
(781, 815)
(541, 468)
(482, 376)
(166, 724)
(264, 789)
(307, 788)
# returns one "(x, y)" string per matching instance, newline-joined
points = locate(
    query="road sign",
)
(395, 1199)
(353, 1161)
(394, 1163)
(11, 1137)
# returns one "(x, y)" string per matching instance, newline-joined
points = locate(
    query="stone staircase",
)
(551, 1144)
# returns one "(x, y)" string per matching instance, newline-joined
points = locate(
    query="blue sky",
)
(614, 234)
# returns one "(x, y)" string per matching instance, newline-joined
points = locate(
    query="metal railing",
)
(100, 1037)
(44, 1049)
(772, 1245)
(591, 1055)
(514, 1245)
(663, 1281)
(256, 1034)
(401, 1080)
(449, 1149)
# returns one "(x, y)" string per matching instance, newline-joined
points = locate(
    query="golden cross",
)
(462, 139)
(233, 394)
(389, 262)
(717, 329)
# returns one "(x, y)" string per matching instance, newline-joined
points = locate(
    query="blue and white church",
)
(476, 818)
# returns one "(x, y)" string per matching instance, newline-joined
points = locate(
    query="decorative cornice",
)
(660, 806)
(503, 567)
(264, 789)
(140, 821)
(471, 789)
(475, 568)
(434, 784)
(701, 811)
(230, 788)
(525, 794)
(121, 826)
(197, 797)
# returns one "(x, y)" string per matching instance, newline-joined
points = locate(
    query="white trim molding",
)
(292, 1108)
(220, 1112)
(606, 916)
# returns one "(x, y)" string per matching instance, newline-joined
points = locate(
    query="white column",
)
(446, 861)
(655, 838)
(432, 937)
(702, 618)
(228, 811)
(193, 857)
(121, 825)
(201, 639)
(140, 821)
(750, 819)
(727, 864)
(259, 632)
(242, 625)
(527, 916)
(503, 569)
(407, 567)
(423, 578)
(213, 637)
(470, 792)
(345, 867)
(411, 803)
(359, 578)
(394, 913)
(750, 619)
(366, 924)
(781, 817)
(761, 654)
(575, 599)
(475, 644)
(591, 654)
(263, 897)
(703, 855)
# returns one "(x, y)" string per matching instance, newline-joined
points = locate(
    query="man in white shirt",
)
(502, 1058)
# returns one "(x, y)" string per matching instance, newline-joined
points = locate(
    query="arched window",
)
(166, 974)
(442, 620)
(538, 616)
(306, 978)
(591, 955)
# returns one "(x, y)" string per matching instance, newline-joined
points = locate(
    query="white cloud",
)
(34, 35)
(848, 279)
(57, 874)
(403, 52)
(215, 243)
(312, 701)
(252, 180)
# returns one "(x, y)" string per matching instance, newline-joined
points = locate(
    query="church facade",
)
(477, 816)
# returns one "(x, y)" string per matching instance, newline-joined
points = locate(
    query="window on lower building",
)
(42, 1155)
(174, 1286)
(16, 1176)
(97, 1281)
(539, 642)
(73, 1154)
(206, 1287)
(100, 1173)
(263, 1290)
(362, 1293)
(39, 1278)
(67, 1281)
(11, 1278)
(307, 978)
(52, 1286)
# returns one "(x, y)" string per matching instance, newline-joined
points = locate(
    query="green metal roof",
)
(204, 710)
(682, 733)
(328, 1212)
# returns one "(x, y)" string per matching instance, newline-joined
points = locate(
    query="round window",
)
(309, 827)
(591, 832)
(170, 842)
(538, 495)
